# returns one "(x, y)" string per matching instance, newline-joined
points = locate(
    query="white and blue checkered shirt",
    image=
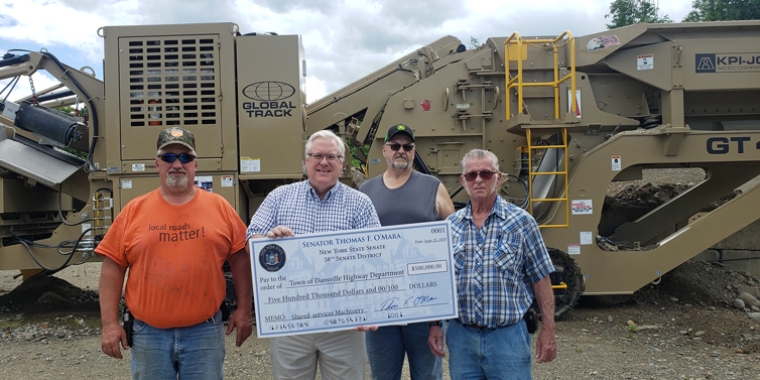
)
(298, 207)
(496, 265)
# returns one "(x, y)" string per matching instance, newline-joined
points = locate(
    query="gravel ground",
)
(685, 328)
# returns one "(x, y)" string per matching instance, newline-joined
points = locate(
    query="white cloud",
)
(52, 24)
(344, 40)
(41, 80)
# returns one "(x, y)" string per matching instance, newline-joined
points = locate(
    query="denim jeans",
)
(194, 352)
(386, 347)
(502, 353)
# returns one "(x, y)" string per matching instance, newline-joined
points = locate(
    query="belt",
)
(214, 319)
(476, 327)
(480, 328)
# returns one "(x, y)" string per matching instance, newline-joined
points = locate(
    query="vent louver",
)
(171, 81)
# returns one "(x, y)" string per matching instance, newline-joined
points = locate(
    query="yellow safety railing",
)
(516, 49)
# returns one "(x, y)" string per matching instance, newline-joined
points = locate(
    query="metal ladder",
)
(516, 49)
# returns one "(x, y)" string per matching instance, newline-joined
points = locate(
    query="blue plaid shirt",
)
(298, 207)
(496, 265)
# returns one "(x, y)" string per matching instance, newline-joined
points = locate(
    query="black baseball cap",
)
(399, 128)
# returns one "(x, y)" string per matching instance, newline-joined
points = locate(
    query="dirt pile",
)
(41, 294)
(636, 199)
(647, 195)
(697, 296)
(650, 195)
(701, 283)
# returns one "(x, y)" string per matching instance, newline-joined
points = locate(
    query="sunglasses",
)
(485, 174)
(171, 157)
(396, 146)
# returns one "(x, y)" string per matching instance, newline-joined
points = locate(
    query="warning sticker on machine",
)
(645, 62)
(587, 238)
(250, 165)
(616, 163)
(573, 249)
(87, 229)
(581, 207)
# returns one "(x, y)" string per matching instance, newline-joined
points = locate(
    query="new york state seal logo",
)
(272, 257)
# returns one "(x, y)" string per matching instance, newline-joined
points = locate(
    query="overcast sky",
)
(343, 39)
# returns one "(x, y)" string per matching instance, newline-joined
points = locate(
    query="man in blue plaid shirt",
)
(321, 204)
(501, 263)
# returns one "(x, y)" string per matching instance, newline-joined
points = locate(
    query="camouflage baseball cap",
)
(175, 135)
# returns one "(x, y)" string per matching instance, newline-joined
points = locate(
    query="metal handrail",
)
(515, 39)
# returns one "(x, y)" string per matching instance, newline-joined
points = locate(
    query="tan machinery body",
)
(647, 96)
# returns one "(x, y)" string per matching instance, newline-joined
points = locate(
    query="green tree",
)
(722, 10)
(474, 43)
(71, 111)
(355, 161)
(629, 12)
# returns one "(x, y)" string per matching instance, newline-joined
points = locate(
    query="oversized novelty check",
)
(339, 280)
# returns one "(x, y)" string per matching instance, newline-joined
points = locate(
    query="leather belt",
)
(476, 327)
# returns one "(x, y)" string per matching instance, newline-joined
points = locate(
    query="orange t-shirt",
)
(175, 256)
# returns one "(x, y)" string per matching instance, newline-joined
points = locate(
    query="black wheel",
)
(568, 273)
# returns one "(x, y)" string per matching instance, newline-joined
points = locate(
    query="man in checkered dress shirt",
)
(321, 204)
(501, 263)
(298, 207)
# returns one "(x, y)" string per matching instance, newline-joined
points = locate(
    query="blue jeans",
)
(386, 347)
(194, 352)
(502, 353)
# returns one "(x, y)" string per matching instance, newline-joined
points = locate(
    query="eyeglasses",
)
(485, 174)
(329, 157)
(396, 146)
(171, 157)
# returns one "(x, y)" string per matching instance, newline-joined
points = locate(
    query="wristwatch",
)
(435, 323)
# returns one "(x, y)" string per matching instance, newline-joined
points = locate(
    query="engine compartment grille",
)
(170, 81)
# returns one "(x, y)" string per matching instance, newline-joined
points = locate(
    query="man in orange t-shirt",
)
(174, 241)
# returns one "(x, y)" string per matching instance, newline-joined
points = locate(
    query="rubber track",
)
(568, 272)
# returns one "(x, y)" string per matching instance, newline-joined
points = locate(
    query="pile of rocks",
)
(749, 304)
(66, 328)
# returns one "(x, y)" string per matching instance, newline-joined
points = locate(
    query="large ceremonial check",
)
(339, 280)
